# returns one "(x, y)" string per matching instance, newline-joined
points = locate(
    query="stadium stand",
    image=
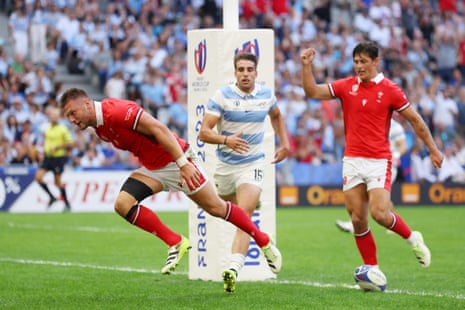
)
(137, 50)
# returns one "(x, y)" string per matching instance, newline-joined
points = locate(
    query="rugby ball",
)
(370, 278)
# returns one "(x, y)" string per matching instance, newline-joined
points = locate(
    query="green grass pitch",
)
(98, 261)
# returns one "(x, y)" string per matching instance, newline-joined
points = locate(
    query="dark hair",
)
(368, 48)
(245, 56)
(71, 94)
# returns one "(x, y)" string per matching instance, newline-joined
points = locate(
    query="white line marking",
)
(278, 282)
(70, 264)
(69, 228)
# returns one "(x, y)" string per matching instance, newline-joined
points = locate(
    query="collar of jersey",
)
(377, 79)
(244, 95)
(98, 113)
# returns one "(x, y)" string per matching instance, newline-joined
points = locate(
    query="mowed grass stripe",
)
(277, 281)
(80, 261)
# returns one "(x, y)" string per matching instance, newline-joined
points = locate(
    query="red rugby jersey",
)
(367, 114)
(117, 122)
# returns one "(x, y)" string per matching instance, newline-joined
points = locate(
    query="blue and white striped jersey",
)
(239, 111)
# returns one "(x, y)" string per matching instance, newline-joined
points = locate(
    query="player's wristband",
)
(181, 161)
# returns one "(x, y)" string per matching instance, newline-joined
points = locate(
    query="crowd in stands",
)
(137, 50)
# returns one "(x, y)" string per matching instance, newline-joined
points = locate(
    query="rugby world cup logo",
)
(251, 47)
(200, 56)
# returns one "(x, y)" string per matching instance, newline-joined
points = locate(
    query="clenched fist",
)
(307, 56)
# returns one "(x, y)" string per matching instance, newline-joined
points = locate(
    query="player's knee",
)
(131, 193)
(358, 221)
(121, 207)
(123, 204)
(216, 209)
(381, 217)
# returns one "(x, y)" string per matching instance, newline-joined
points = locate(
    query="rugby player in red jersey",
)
(368, 100)
(167, 163)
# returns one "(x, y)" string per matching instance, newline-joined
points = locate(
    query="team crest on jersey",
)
(364, 102)
(354, 90)
(237, 103)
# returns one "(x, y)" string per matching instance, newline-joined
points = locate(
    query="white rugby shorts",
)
(228, 177)
(170, 177)
(375, 173)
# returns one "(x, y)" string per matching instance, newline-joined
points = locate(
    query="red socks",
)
(147, 220)
(400, 227)
(367, 247)
(240, 219)
(366, 243)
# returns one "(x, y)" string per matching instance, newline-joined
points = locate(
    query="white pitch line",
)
(277, 282)
(69, 228)
(70, 264)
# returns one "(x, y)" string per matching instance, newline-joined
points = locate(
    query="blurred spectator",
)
(451, 169)
(112, 158)
(157, 54)
(41, 86)
(133, 70)
(177, 118)
(75, 64)
(18, 27)
(27, 76)
(422, 169)
(362, 21)
(11, 128)
(92, 157)
(459, 143)
(26, 135)
(306, 148)
(5, 146)
(444, 115)
(154, 92)
(447, 48)
(101, 64)
(115, 87)
(19, 110)
(14, 94)
(3, 111)
(175, 80)
(116, 63)
(67, 27)
(17, 66)
(460, 122)
(4, 63)
(35, 115)
(23, 152)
